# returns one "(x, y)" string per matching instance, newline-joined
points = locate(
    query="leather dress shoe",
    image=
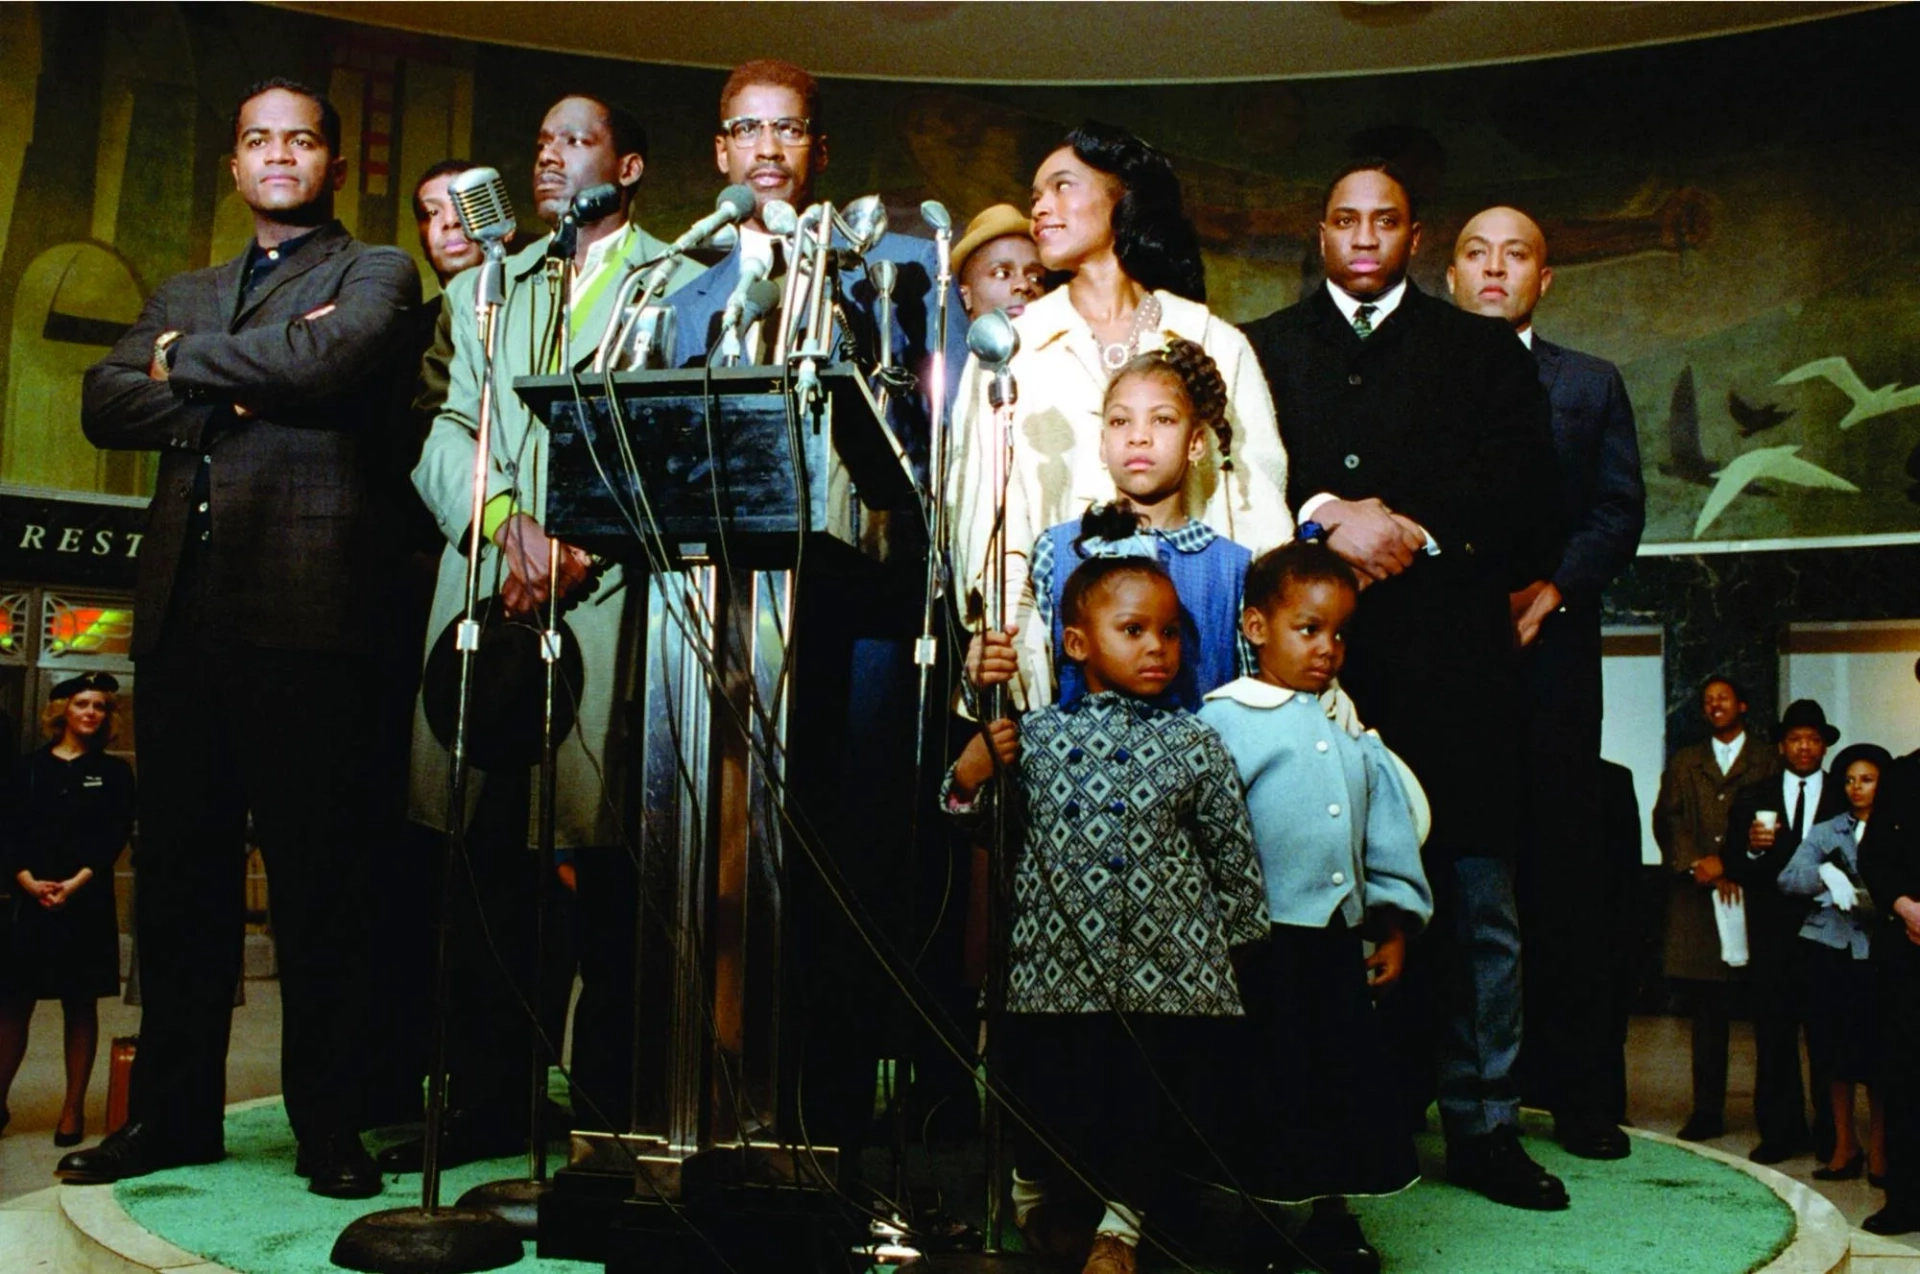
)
(1334, 1242)
(1702, 1128)
(338, 1167)
(1497, 1166)
(1845, 1172)
(464, 1138)
(1895, 1218)
(1587, 1137)
(133, 1151)
(1769, 1153)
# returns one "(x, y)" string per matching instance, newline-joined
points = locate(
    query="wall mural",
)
(1735, 221)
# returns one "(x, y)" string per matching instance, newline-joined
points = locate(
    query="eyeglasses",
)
(744, 130)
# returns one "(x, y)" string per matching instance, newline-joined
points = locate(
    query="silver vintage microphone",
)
(993, 340)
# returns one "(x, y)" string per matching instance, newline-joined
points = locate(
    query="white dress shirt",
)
(1725, 754)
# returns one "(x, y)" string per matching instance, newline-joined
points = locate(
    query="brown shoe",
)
(1110, 1255)
(1051, 1230)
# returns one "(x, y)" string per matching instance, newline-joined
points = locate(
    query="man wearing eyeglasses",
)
(770, 137)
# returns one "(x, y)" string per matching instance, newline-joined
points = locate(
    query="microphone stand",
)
(432, 1239)
(516, 1200)
(1001, 396)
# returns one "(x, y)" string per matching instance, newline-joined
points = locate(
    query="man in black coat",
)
(1573, 1059)
(1767, 820)
(1418, 445)
(259, 382)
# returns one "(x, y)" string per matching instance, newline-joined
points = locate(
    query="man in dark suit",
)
(254, 638)
(770, 137)
(1418, 445)
(1572, 1060)
(1766, 821)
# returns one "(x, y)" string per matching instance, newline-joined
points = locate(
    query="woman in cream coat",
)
(1106, 208)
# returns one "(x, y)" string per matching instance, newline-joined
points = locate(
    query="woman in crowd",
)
(1107, 212)
(1842, 1031)
(70, 811)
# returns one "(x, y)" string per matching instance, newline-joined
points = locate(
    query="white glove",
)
(1844, 895)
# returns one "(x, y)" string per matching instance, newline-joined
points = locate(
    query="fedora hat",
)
(989, 224)
(509, 689)
(1805, 712)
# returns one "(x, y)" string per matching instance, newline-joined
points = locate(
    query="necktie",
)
(1363, 321)
(1799, 807)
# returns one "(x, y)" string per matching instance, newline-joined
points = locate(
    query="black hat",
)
(1805, 712)
(105, 682)
(509, 689)
(1873, 752)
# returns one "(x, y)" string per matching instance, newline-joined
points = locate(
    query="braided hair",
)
(1199, 378)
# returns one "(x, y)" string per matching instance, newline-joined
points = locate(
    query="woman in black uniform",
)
(68, 813)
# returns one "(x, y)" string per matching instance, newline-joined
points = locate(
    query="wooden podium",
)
(728, 500)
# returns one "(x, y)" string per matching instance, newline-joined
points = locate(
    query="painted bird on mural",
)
(1754, 418)
(1685, 459)
(1867, 403)
(1778, 464)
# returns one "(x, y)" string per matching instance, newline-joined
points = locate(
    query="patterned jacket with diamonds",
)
(1137, 870)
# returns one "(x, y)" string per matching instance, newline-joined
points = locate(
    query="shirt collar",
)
(1194, 537)
(600, 252)
(1729, 752)
(1109, 701)
(1383, 305)
(1526, 336)
(1252, 692)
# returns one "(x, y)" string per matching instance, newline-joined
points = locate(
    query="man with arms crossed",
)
(262, 383)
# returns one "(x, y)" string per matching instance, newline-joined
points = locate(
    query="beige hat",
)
(1002, 218)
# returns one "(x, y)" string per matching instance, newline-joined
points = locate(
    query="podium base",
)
(414, 1241)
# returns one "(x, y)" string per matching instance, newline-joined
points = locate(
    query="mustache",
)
(759, 170)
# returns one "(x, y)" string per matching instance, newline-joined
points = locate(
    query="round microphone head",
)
(935, 214)
(737, 199)
(480, 198)
(595, 202)
(865, 222)
(992, 339)
(779, 217)
(762, 297)
(882, 274)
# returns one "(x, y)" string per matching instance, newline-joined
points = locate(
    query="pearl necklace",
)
(1118, 354)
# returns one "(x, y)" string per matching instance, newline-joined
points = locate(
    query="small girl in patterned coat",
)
(1135, 877)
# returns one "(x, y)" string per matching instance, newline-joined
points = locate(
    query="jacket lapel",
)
(1547, 356)
(323, 245)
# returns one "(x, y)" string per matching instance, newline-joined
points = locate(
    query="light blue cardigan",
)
(1332, 818)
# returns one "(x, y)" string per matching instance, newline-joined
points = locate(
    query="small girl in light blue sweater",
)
(1337, 822)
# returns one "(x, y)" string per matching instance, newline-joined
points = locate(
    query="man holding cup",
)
(1770, 818)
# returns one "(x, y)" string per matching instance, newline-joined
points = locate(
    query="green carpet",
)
(1662, 1211)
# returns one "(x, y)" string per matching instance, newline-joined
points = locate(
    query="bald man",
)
(1574, 1059)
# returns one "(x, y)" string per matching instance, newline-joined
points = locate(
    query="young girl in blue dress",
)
(1159, 412)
